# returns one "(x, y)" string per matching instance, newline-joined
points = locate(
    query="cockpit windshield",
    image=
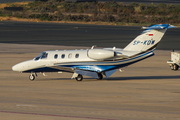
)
(43, 55)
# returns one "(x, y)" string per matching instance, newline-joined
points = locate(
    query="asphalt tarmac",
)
(79, 35)
(147, 90)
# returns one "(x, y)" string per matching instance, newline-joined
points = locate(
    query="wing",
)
(87, 70)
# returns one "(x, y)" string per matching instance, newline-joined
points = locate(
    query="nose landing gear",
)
(32, 76)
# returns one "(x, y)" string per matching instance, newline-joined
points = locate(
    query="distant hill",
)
(6, 1)
(124, 1)
(110, 12)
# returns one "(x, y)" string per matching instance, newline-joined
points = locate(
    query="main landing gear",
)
(80, 77)
(100, 76)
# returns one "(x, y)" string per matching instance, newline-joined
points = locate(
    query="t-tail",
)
(149, 38)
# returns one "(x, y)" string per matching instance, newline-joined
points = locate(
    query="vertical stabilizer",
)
(149, 38)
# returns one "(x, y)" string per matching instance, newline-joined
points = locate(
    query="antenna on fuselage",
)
(114, 48)
(93, 46)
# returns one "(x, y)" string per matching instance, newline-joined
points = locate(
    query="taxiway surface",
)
(147, 90)
(79, 35)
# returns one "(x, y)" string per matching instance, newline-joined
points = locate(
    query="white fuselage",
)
(68, 60)
(62, 56)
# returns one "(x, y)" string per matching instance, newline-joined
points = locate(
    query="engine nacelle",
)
(100, 54)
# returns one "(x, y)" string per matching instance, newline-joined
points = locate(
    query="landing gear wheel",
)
(176, 67)
(79, 78)
(32, 77)
(100, 76)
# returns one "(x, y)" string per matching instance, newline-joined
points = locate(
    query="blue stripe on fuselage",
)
(44, 69)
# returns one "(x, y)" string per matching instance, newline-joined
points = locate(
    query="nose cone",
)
(23, 66)
(15, 68)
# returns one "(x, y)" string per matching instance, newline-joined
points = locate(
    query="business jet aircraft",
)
(92, 62)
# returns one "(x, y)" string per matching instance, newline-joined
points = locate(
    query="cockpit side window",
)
(43, 55)
(39, 56)
(36, 58)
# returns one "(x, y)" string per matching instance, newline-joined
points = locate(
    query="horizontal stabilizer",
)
(87, 73)
(159, 26)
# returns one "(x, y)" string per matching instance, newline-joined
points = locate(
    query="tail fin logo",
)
(146, 42)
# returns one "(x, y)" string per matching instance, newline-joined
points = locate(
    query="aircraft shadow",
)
(119, 78)
(142, 78)
(86, 79)
(47, 79)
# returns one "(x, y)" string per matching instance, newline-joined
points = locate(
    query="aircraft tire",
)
(176, 67)
(79, 77)
(32, 77)
(100, 76)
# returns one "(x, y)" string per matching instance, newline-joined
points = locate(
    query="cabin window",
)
(70, 55)
(63, 56)
(77, 56)
(55, 56)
